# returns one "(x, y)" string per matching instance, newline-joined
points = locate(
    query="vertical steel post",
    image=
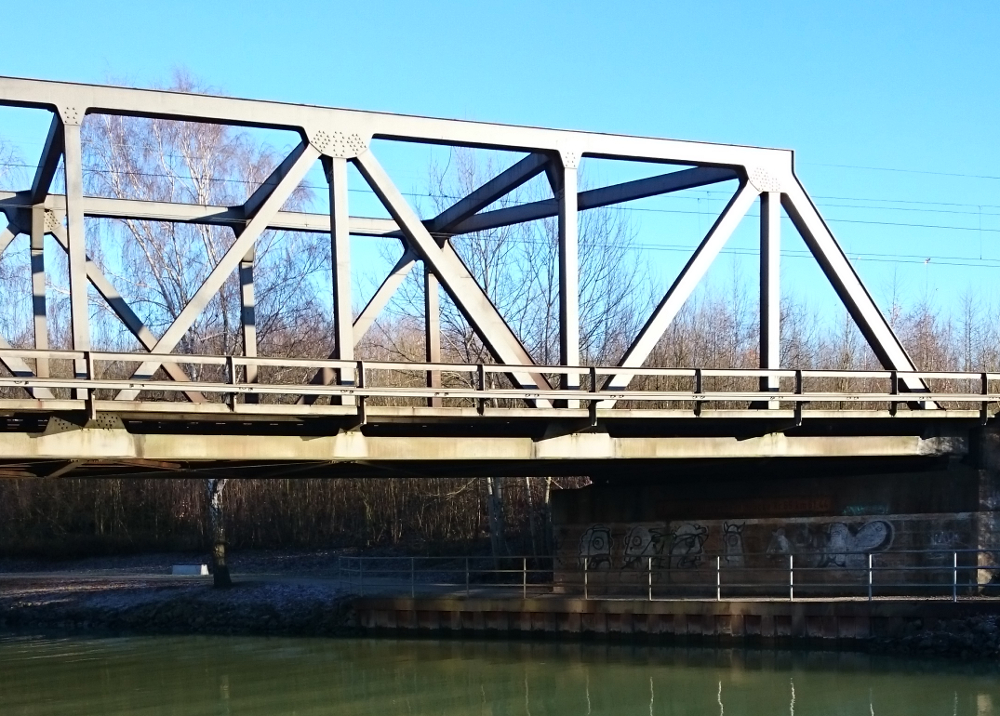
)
(361, 574)
(569, 272)
(870, 560)
(413, 578)
(954, 577)
(432, 326)
(232, 379)
(340, 248)
(481, 387)
(524, 577)
(38, 301)
(248, 320)
(76, 237)
(466, 577)
(586, 595)
(718, 578)
(791, 578)
(770, 290)
(649, 564)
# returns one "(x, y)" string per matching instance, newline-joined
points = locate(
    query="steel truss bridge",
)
(558, 419)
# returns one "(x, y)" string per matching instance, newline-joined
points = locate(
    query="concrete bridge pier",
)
(986, 449)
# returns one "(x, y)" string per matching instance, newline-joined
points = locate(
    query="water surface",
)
(185, 676)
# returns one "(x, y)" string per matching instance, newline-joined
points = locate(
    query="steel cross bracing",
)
(338, 137)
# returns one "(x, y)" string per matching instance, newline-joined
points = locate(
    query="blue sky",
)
(892, 108)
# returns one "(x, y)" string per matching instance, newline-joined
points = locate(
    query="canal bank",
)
(965, 629)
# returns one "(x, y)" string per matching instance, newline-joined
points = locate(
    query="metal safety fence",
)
(954, 575)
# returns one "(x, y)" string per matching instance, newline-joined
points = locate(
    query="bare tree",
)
(159, 266)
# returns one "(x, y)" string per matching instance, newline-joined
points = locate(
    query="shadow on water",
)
(227, 675)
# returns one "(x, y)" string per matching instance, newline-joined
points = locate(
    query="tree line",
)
(158, 266)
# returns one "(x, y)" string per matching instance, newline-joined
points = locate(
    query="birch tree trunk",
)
(217, 531)
(494, 507)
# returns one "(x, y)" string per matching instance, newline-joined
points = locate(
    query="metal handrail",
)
(787, 577)
(356, 385)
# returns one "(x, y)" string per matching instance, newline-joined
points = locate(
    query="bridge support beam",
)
(564, 185)
(248, 319)
(432, 332)
(770, 289)
(340, 252)
(76, 239)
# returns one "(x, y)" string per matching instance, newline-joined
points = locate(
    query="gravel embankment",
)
(135, 605)
(274, 593)
(976, 637)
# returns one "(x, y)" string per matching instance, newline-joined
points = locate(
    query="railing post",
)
(649, 564)
(894, 390)
(466, 577)
(984, 410)
(231, 379)
(524, 577)
(360, 383)
(718, 578)
(585, 594)
(481, 387)
(413, 578)
(791, 578)
(870, 560)
(954, 577)
(90, 375)
(698, 390)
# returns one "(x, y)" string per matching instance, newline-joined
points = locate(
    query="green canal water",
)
(225, 675)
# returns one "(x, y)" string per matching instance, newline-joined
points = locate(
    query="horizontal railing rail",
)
(361, 381)
(959, 574)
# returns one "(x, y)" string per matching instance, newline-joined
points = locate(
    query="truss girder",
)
(455, 277)
(848, 284)
(682, 288)
(342, 136)
(304, 156)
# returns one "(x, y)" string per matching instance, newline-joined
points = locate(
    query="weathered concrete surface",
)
(769, 621)
(92, 443)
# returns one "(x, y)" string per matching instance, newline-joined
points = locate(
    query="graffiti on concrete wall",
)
(732, 543)
(643, 544)
(595, 547)
(661, 548)
(837, 546)
(847, 548)
(687, 548)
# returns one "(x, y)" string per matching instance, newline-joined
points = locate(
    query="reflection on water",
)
(251, 676)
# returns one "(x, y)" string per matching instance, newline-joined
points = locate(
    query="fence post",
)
(413, 578)
(870, 576)
(585, 595)
(649, 564)
(466, 577)
(524, 577)
(791, 578)
(718, 578)
(954, 577)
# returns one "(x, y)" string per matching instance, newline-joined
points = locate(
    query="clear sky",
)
(893, 108)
